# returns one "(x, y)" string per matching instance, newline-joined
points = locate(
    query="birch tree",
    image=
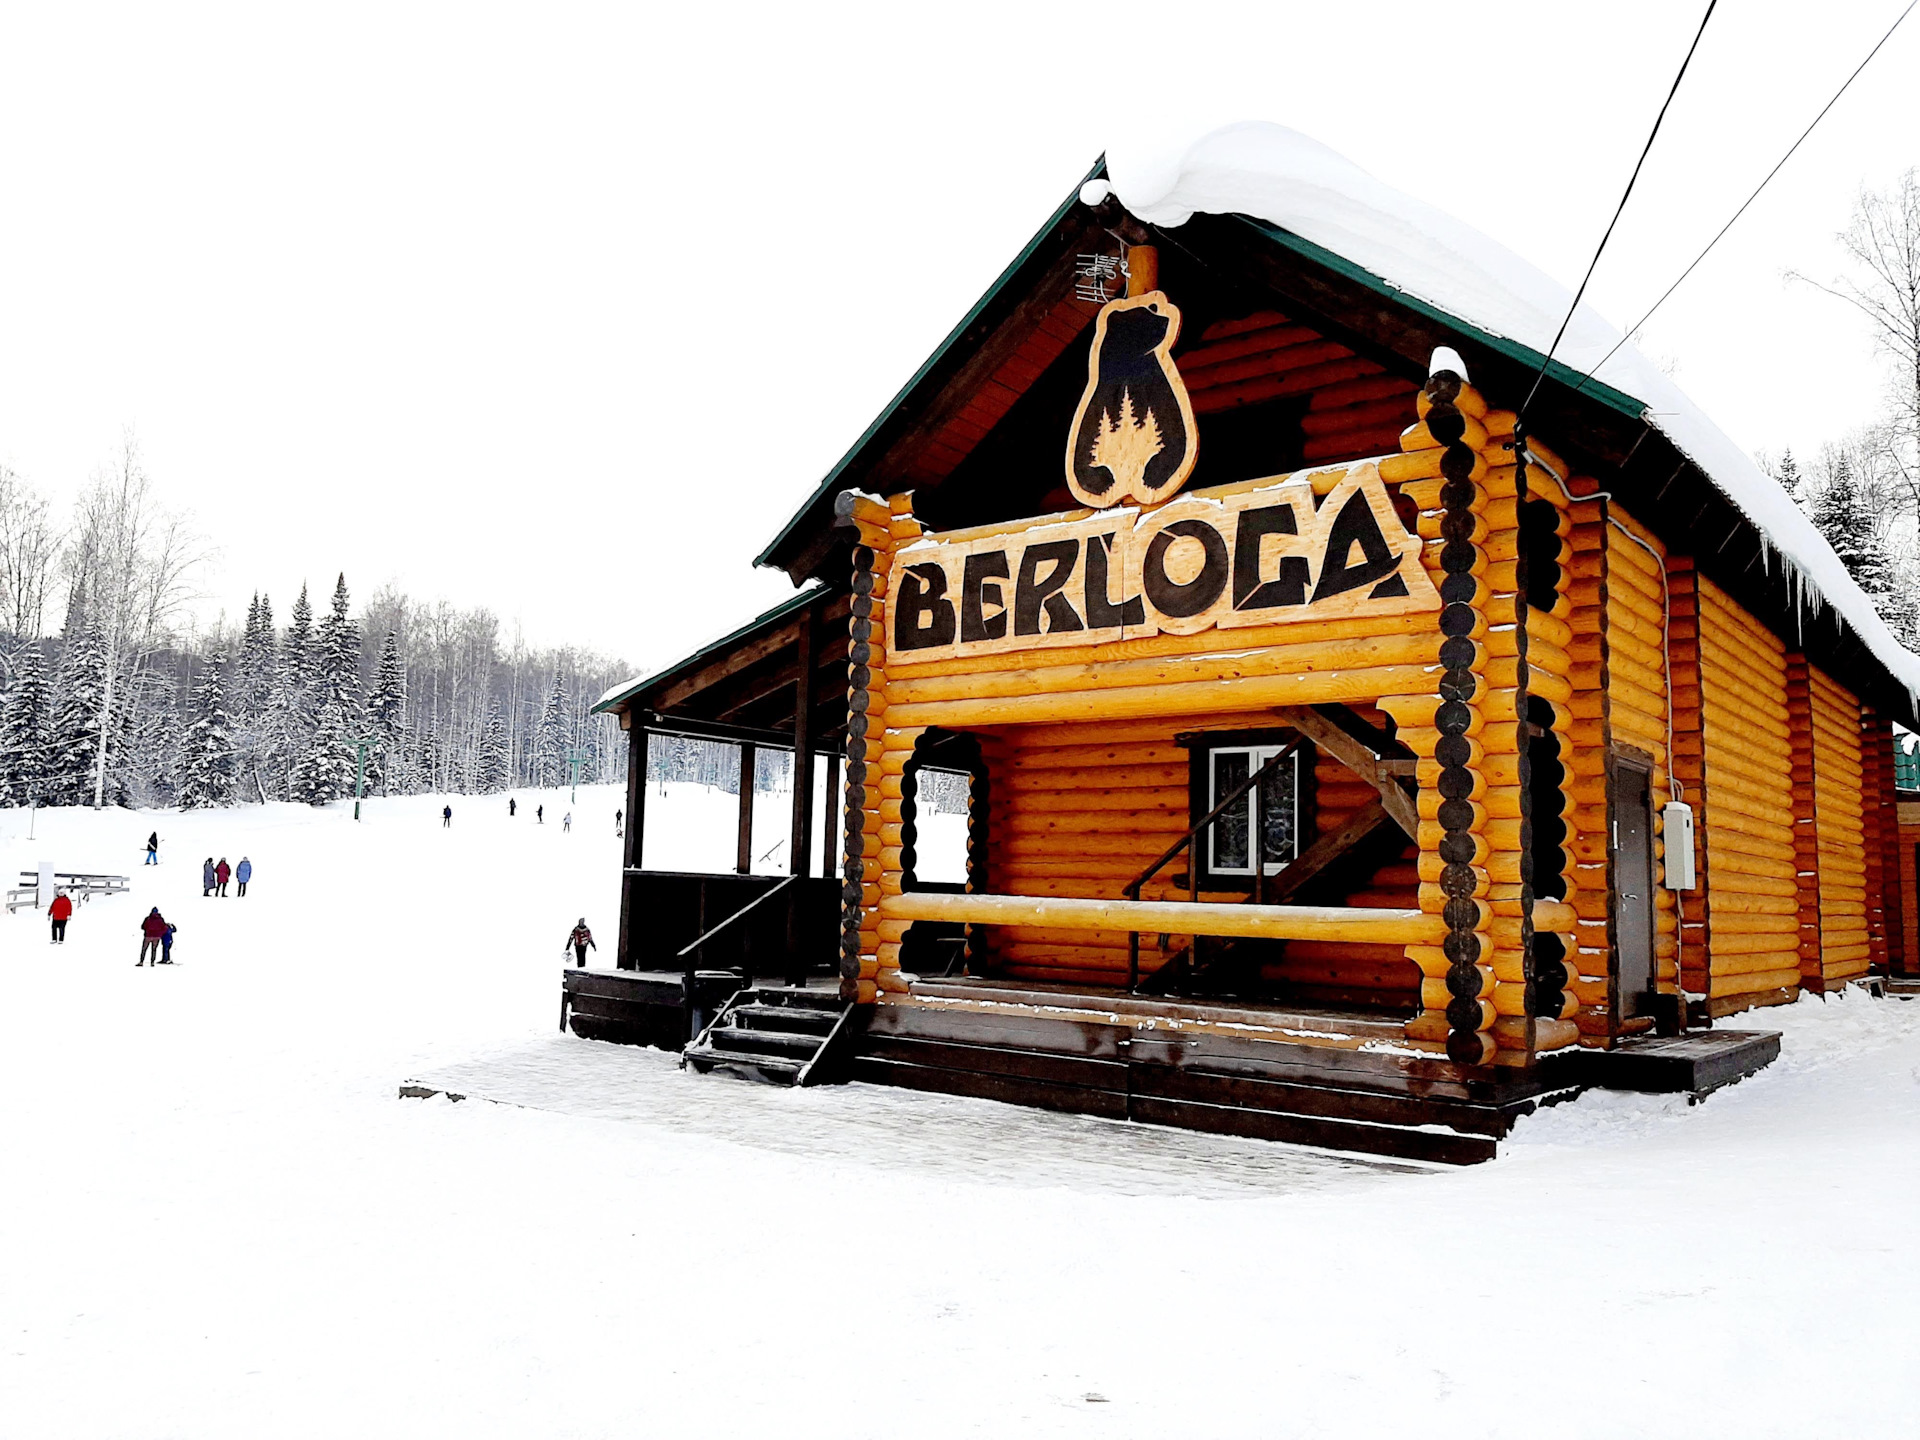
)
(133, 558)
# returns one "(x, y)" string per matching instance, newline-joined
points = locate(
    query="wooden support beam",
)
(1357, 758)
(1175, 917)
(1324, 851)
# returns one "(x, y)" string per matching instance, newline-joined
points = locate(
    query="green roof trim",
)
(829, 484)
(612, 703)
(1613, 399)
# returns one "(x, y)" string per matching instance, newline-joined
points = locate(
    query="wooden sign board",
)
(1260, 554)
(1133, 436)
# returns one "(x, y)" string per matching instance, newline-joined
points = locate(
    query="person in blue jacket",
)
(243, 874)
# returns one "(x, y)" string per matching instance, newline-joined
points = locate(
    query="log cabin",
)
(1372, 724)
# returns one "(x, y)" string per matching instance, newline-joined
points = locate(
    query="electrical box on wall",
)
(1676, 831)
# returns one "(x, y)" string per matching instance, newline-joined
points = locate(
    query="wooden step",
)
(762, 1042)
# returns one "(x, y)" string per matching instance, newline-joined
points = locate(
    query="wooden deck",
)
(644, 1007)
(1335, 1079)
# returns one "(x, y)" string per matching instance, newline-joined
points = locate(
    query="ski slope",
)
(219, 1221)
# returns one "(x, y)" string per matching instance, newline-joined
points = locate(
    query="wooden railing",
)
(1256, 849)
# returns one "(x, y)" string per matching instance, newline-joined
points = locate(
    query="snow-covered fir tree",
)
(550, 738)
(1839, 508)
(207, 752)
(73, 737)
(490, 767)
(24, 722)
(387, 719)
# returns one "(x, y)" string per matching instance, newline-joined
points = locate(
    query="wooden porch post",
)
(799, 852)
(743, 851)
(632, 846)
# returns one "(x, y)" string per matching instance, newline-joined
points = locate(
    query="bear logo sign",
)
(1133, 436)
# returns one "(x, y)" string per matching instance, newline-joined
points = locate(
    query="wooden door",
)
(1632, 871)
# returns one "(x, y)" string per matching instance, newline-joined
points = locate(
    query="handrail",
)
(767, 894)
(1255, 843)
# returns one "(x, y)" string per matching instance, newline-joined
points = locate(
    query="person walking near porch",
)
(207, 879)
(153, 930)
(59, 912)
(580, 939)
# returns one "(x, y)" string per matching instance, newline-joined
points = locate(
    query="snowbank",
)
(1280, 176)
(219, 1220)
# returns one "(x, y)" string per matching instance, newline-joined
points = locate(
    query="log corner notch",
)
(869, 965)
(1458, 987)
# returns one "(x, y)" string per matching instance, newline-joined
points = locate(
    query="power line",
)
(1634, 328)
(1561, 332)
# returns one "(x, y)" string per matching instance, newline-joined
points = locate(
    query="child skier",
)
(166, 945)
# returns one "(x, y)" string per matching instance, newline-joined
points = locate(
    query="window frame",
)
(1202, 747)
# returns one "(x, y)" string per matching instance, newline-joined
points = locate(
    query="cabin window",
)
(1230, 838)
(940, 818)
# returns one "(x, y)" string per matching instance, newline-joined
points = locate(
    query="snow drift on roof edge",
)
(1279, 175)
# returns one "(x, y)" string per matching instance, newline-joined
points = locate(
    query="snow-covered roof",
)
(1280, 176)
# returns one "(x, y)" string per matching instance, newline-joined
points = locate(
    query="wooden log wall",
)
(1689, 764)
(1841, 839)
(1906, 836)
(1881, 823)
(1587, 768)
(1753, 941)
(1079, 809)
(1356, 409)
(1637, 700)
(1806, 837)
(1529, 661)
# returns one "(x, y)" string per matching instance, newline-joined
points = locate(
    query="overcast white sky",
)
(502, 303)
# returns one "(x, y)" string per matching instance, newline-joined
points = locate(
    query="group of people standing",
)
(214, 876)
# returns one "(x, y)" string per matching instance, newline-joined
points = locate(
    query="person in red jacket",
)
(59, 913)
(222, 873)
(153, 930)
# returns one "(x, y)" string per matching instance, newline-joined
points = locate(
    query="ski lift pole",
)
(575, 759)
(360, 769)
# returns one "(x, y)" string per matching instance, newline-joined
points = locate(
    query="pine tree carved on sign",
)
(1127, 444)
(1133, 436)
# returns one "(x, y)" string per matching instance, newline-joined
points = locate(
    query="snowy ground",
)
(217, 1220)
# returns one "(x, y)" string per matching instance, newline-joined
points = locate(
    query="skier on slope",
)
(580, 939)
(512, 806)
(153, 848)
(539, 814)
(446, 817)
(566, 823)
(59, 912)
